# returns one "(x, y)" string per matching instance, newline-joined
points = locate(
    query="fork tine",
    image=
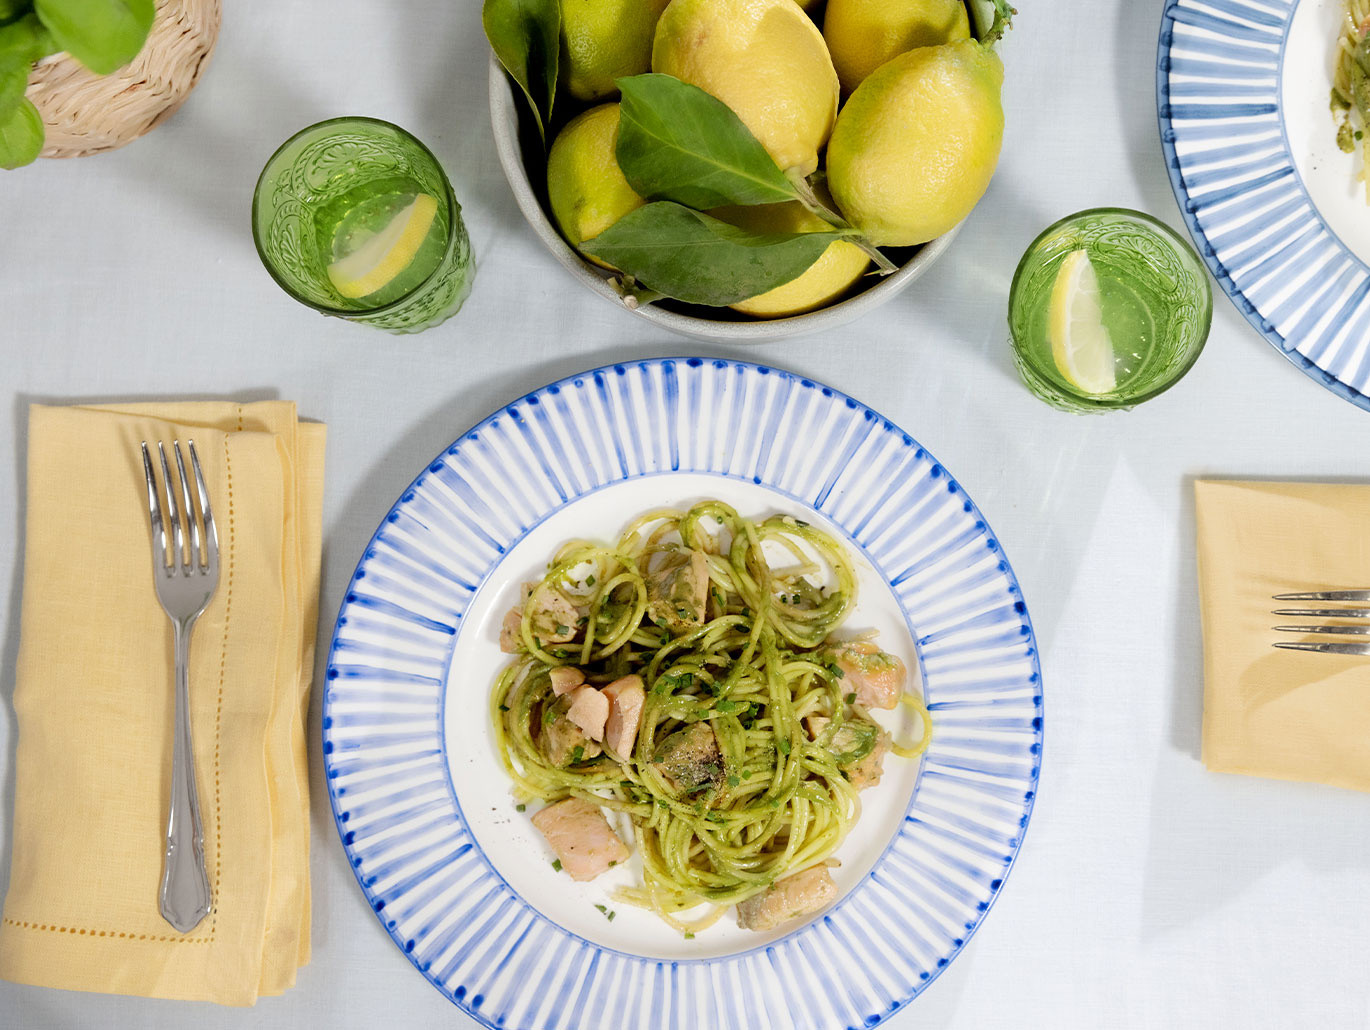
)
(191, 521)
(1327, 595)
(173, 514)
(1324, 613)
(211, 533)
(1362, 630)
(154, 508)
(1327, 648)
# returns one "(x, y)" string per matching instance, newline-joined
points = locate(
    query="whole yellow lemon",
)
(585, 185)
(823, 282)
(766, 60)
(864, 34)
(916, 145)
(603, 40)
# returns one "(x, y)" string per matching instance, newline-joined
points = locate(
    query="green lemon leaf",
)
(676, 142)
(687, 255)
(526, 38)
(21, 135)
(102, 34)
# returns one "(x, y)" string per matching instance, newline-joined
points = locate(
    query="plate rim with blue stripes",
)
(429, 869)
(1244, 190)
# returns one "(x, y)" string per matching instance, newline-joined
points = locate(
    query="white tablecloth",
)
(1148, 893)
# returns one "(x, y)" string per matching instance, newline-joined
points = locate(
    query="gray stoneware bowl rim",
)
(504, 124)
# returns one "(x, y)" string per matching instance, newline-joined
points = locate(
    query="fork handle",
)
(185, 897)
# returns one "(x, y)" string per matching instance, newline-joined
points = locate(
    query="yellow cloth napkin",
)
(1270, 712)
(94, 700)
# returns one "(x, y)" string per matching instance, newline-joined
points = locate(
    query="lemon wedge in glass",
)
(376, 263)
(1080, 343)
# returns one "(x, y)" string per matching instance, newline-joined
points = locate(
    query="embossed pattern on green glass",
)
(326, 177)
(1156, 297)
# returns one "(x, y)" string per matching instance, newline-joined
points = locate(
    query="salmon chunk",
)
(799, 895)
(859, 747)
(510, 640)
(626, 697)
(689, 759)
(561, 739)
(554, 617)
(589, 710)
(875, 676)
(677, 590)
(581, 837)
(565, 678)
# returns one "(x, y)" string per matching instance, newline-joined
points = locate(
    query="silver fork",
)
(1351, 630)
(186, 575)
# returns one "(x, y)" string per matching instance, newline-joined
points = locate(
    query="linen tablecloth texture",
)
(94, 697)
(1269, 712)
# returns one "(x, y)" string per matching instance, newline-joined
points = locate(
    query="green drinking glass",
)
(1108, 308)
(354, 217)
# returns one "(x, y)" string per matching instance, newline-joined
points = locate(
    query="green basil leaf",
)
(21, 44)
(21, 135)
(102, 34)
(526, 38)
(676, 142)
(14, 79)
(12, 9)
(689, 256)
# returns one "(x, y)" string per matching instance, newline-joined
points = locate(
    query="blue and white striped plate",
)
(1274, 207)
(462, 882)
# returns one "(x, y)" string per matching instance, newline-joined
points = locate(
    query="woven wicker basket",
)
(85, 113)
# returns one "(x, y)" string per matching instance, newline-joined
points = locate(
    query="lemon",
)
(917, 143)
(1080, 343)
(375, 264)
(585, 186)
(864, 34)
(602, 40)
(836, 269)
(763, 58)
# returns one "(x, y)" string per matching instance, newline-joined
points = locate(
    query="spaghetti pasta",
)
(753, 735)
(1351, 83)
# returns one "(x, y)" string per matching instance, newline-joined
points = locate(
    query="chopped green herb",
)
(578, 754)
(734, 781)
(610, 915)
(520, 808)
(784, 747)
(746, 774)
(556, 864)
(727, 707)
(689, 936)
(582, 620)
(589, 581)
(562, 630)
(504, 708)
(612, 864)
(601, 908)
(850, 698)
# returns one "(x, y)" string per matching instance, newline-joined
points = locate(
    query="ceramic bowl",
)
(512, 140)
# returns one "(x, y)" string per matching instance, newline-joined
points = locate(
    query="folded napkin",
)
(1270, 712)
(94, 698)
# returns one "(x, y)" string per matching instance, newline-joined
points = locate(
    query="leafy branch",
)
(104, 35)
